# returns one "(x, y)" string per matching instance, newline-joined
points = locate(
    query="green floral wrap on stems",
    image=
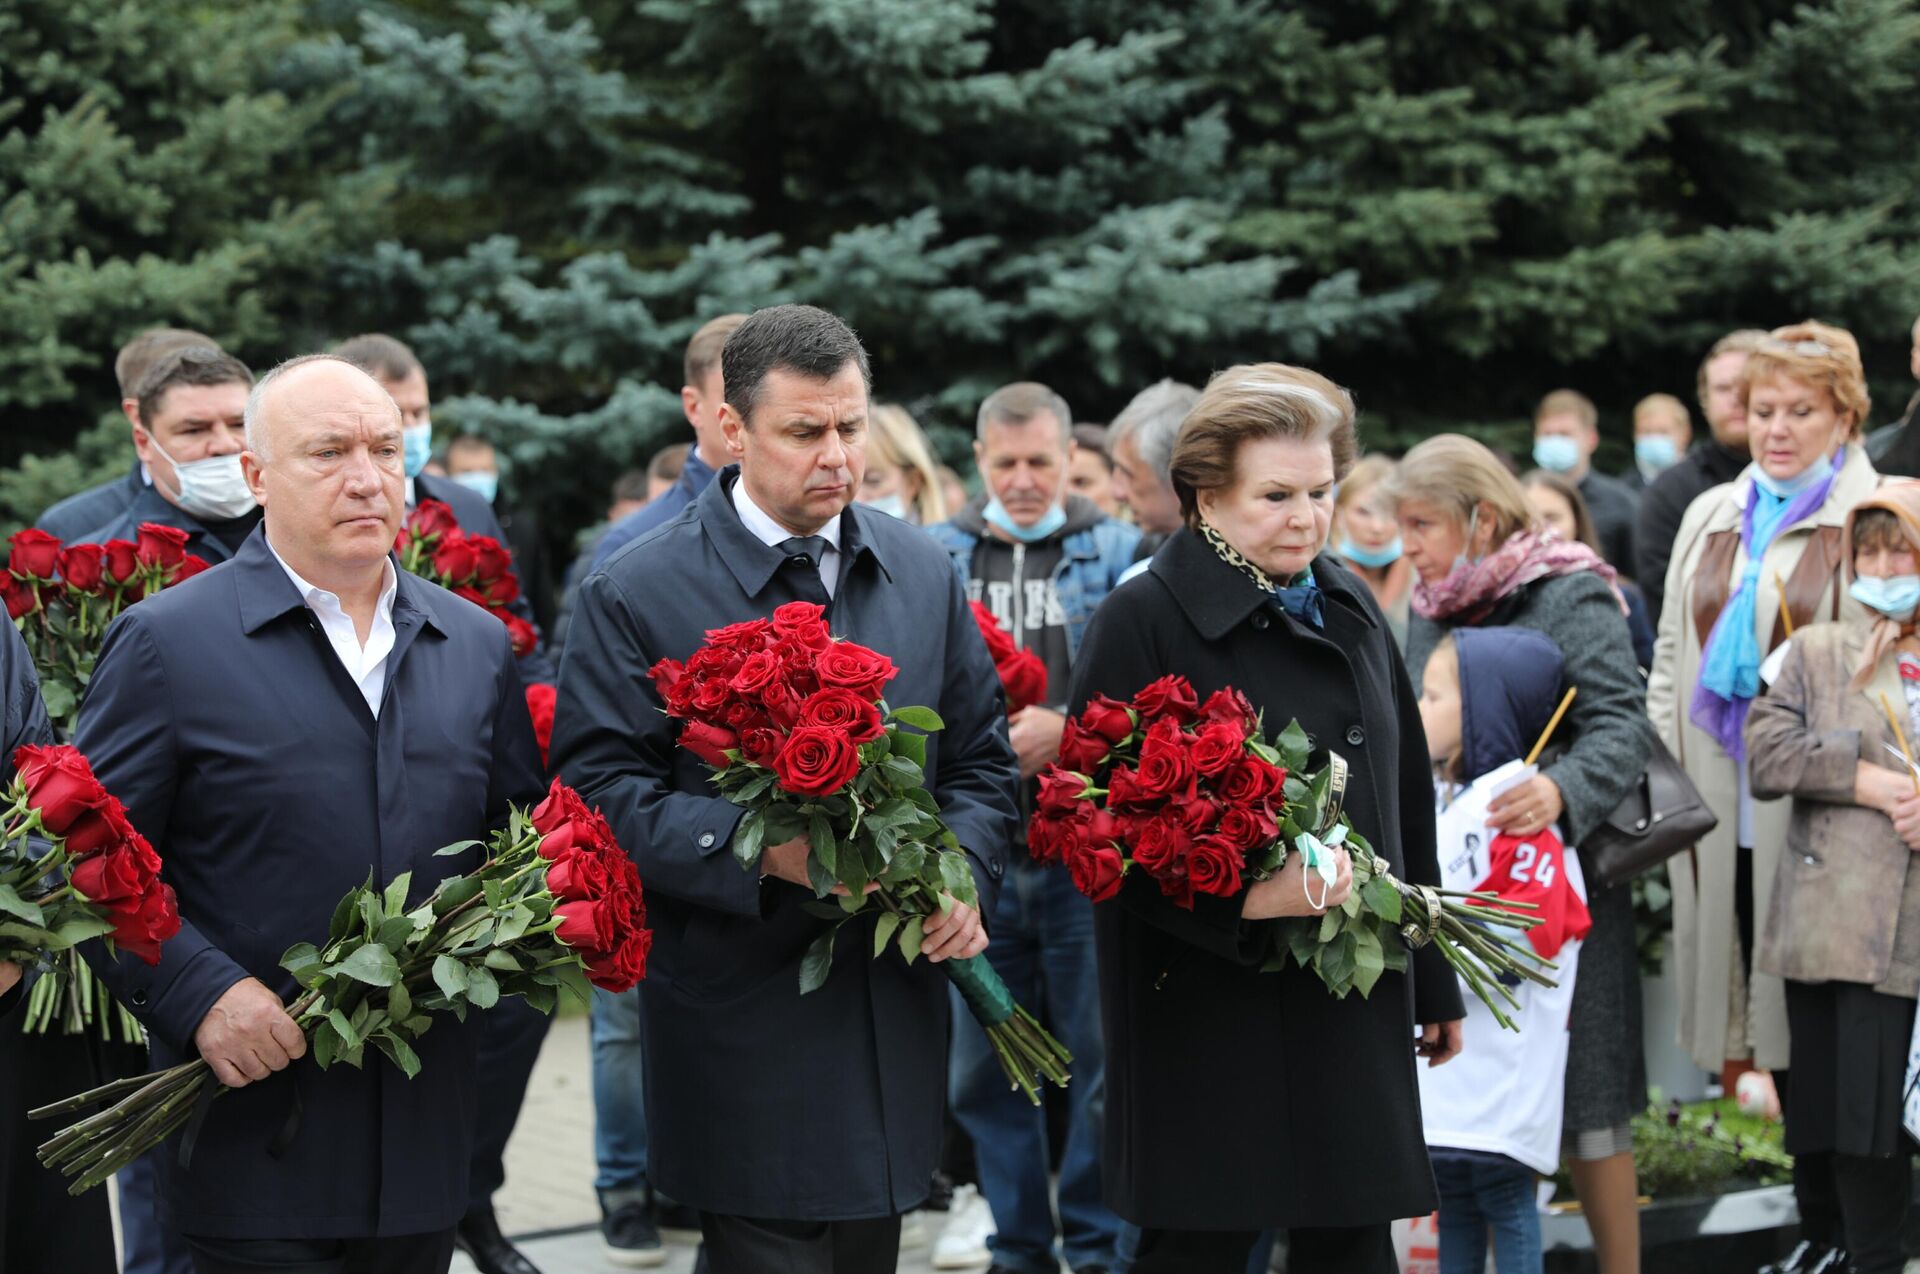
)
(980, 986)
(1025, 1051)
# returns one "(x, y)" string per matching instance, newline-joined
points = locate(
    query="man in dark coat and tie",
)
(276, 727)
(800, 1127)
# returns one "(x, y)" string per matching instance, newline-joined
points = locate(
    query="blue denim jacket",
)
(1097, 551)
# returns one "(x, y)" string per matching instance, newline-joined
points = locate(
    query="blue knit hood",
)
(1509, 686)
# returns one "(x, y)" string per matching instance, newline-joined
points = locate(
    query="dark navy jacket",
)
(695, 477)
(1509, 684)
(761, 1102)
(23, 720)
(223, 719)
(150, 506)
(73, 517)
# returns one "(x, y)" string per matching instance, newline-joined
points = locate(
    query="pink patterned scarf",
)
(1472, 589)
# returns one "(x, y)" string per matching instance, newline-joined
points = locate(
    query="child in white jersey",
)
(1493, 1116)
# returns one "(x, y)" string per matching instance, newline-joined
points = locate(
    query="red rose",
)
(141, 930)
(761, 746)
(403, 541)
(520, 634)
(84, 567)
(707, 741)
(36, 555)
(491, 560)
(22, 598)
(1124, 791)
(1097, 872)
(540, 702)
(1218, 746)
(1160, 842)
(432, 517)
(1230, 706)
(622, 968)
(836, 708)
(1166, 765)
(666, 675)
(746, 636)
(190, 565)
(113, 881)
(865, 672)
(60, 785)
(162, 545)
(1081, 749)
(1196, 813)
(123, 566)
(454, 560)
(1250, 781)
(1062, 792)
(1025, 679)
(100, 830)
(803, 624)
(1213, 867)
(501, 591)
(577, 877)
(561, 808)
(1108, 828)
(1051, 838)
(710, 696)
(816, 761)
(584, 924)
(741, 715)
(1248, 827)
(1108, 718)
(1170, 696)
(1000, 642)
(757, 673)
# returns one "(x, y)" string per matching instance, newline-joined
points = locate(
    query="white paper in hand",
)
(1770, 666)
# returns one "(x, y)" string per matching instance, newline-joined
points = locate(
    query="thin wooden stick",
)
(1901, 736)
(1786, 616)
(1547, 733)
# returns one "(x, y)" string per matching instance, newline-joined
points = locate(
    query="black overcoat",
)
(1237, 1099)
(761, 1102)
(221, 717)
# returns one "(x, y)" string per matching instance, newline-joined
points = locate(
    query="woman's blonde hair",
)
(1250, 401)
(1367, 473)
(1816, 354)
(900, 441)
(1458, 475)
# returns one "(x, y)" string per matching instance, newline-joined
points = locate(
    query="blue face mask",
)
(483, 482)
(1896, 598)
(1654, 455)
(1050, 522)
(1556, 453)
(891, 505)
(1787, 488)
(416, 448)
(1375, 559)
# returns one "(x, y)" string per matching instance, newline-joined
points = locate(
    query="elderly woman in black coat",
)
(1240, 1100)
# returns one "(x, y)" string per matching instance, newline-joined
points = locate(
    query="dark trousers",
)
(1365, 1249)
(510, 1037)
(42, 1227)
(1873, 1203)
(744, 1245)
(403, 1254)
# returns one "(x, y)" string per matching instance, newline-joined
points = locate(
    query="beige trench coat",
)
(1721, 1017)
(1845, 908)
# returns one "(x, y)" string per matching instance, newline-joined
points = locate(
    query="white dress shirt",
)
(762, 526)
(367, 664)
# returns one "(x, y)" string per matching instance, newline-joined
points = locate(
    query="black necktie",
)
(805, 551)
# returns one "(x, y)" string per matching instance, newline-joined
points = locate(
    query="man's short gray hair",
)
(1153, 421)
(256, 436)
(1020, 402)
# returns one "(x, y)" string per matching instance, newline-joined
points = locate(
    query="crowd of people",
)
(1745, 601)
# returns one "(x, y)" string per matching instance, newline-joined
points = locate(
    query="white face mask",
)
(214, 488)
(890, 504)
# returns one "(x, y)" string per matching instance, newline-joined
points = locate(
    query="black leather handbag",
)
(1661, 815)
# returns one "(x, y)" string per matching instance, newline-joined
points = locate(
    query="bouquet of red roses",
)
(72, 867)
(476, 567)
(540, 702)
(62, 597)
(1022, 675)
(1192, 795)
(798, 735)
(556, 906)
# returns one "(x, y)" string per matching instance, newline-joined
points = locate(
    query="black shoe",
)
(478, 1235)
(1834, 1262)
(629, 1239)
(940, 1194)
(1094, 1269)
(1809, 1258)
(669, 1215)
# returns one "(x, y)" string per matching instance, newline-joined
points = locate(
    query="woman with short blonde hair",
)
(1245, 596)
(901, 478)
(1482, 561)
(1367, 538)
